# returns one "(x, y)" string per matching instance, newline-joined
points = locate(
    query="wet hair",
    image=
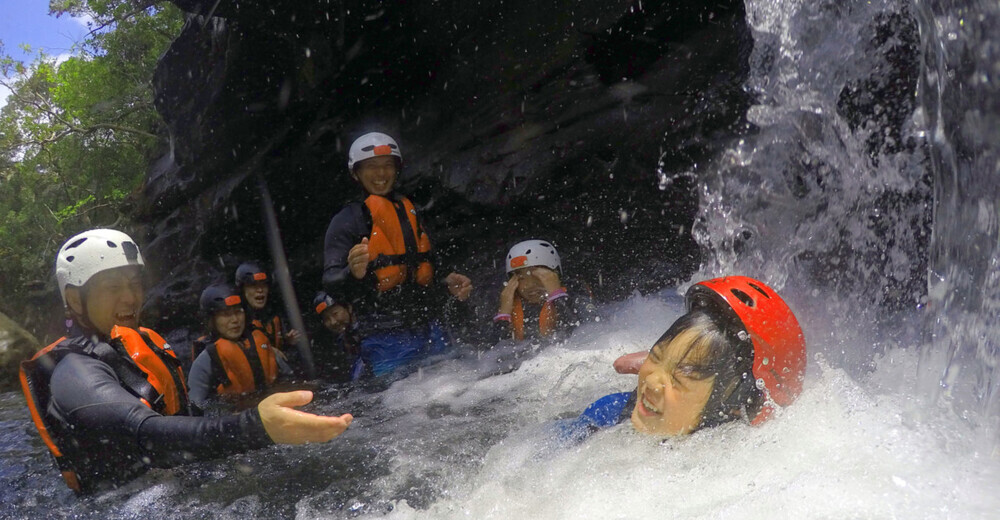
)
(719, 348)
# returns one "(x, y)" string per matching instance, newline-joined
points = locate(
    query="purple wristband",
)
(501, 317)
(558, 293)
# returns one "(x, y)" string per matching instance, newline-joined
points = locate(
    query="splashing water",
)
(869, 161)
(867, 189)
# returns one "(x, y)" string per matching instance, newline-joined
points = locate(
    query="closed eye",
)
(695, 372)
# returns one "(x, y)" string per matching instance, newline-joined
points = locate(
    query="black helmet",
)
(217, 297)
(322, 301)
(249, 272)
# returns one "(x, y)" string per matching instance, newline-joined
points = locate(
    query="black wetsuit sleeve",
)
(201, 382)
(346, 230)
(86, 393)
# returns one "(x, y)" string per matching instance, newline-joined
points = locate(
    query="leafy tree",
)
(76, 136)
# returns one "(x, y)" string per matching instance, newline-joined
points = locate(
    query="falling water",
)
(863, 187)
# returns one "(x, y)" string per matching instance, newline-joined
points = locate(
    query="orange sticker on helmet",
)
(260, 276)
(383, 150)
(232, 300)
(321, 307)
(518, 261)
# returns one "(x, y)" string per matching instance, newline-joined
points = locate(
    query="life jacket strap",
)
(174, 367)
(115, 355)
(218, 369)
(256, 364)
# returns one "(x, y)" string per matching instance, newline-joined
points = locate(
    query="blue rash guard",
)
(608, 411)
(385, 352)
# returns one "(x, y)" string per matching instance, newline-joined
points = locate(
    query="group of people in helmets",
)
(111, 398)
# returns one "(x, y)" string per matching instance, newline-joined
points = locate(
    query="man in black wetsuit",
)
(109, 399)
(378, 255)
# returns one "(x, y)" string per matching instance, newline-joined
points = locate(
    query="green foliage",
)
(76, 137)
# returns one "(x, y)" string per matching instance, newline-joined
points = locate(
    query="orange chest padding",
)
(546, 319)
(163, 370)
(398, 245)
(271, 328)
(248, 366)
(34, 375)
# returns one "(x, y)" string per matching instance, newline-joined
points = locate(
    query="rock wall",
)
(575, 122)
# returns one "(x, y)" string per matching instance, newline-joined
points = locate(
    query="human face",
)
(673, 387)
(336, 318)
(229, 322)
(377, 175)
(113, 298)
(255, 293)
(529, 286)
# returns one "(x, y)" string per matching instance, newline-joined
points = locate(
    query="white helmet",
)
(91, 252)
(370, 145)
(531, 253)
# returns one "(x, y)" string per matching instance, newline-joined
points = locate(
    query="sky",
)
(28, 21)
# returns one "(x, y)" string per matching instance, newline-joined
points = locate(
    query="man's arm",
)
(346, 230)
(87, 394)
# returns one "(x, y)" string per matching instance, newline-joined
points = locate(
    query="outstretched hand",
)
(357, 259)
(630, 363)
(286, 425)
(459, 286)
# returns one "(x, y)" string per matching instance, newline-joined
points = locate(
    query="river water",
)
(865, 188)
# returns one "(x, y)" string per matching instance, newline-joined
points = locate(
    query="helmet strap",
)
(81, 317)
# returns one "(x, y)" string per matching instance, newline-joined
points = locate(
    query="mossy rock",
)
(16, 344)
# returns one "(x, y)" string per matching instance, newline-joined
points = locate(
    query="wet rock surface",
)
(515, 119)
(16, 344)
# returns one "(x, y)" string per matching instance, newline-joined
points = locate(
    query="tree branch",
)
(120, 128)
(126, 16)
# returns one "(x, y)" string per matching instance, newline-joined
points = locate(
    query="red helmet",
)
(779, 348)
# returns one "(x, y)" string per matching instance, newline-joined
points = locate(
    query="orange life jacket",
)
(396, 250)
(546, 319)
(151, 373)
(150, 351)
(245, 366)
(271, 328)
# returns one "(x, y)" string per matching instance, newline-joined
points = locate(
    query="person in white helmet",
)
(377, 253)
(534, 303)
(109, 399)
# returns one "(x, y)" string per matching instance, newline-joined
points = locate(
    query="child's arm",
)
(630, 363)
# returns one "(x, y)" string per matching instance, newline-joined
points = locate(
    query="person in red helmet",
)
(737, 354)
